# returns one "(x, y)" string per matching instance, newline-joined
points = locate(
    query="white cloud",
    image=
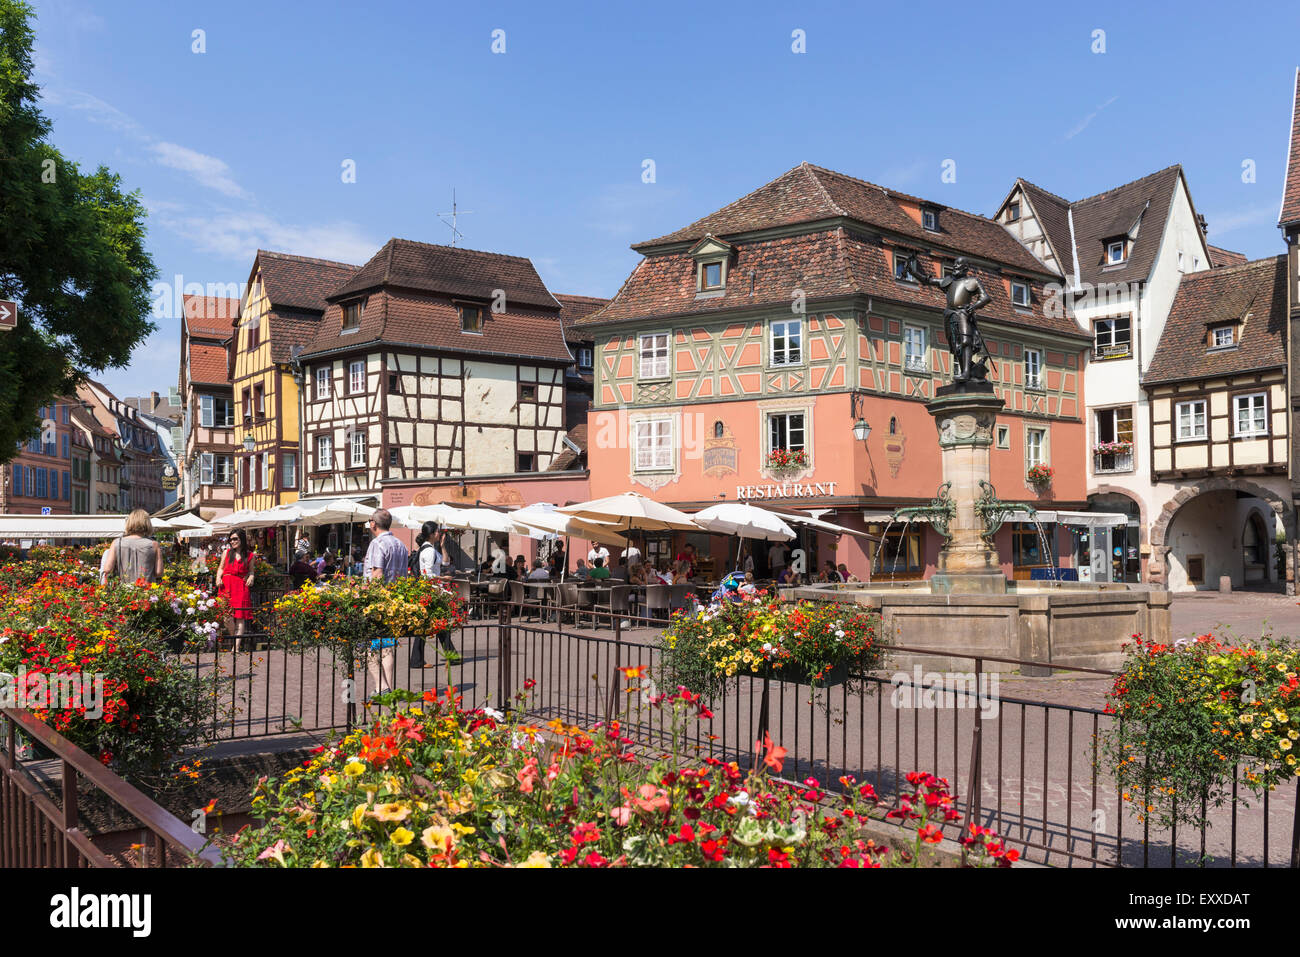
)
(237, 235)
(1228, 222)
(95, 109)
(1083, 123)
(206, 170)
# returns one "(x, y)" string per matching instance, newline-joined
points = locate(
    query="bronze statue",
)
(965, 296)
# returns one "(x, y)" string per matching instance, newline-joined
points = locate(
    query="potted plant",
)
(1040, 475)
(787, 460)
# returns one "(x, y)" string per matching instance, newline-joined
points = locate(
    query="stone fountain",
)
(967, 607)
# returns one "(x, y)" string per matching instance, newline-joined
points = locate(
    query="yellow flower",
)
(537, 859)
(1284, 744)
(402, 837)
(462, 829)
(354, 769)
(372, 858)
(359, 816)
(391, 812)
(435, 836)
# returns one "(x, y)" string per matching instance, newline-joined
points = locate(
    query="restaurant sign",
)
(786, 490)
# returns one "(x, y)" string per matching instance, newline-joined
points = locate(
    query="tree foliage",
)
(72, 252)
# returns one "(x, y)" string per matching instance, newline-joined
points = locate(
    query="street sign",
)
(45, 510)
(8, 314)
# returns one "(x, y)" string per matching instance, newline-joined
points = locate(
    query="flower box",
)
(786, 460)
(1040, 475)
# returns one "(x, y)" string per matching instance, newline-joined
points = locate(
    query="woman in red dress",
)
(236, 577)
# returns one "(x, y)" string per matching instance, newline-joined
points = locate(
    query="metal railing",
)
(44, 828)
(1112, 462)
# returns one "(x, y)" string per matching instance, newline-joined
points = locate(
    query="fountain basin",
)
(1071, 624)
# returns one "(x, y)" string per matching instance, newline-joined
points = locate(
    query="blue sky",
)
(243, 146)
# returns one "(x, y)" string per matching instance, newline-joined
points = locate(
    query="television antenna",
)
(454, 214)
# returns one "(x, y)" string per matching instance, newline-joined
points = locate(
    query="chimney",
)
(154, 397)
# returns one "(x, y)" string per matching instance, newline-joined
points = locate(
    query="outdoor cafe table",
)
(549, 594)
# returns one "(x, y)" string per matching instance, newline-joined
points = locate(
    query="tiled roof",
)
(1225, 257)
(300, 282)
(1054, 216)
(829, 264)
(210, 317)
(809, 194)
(1290, 211)
(417, 319)
(1255, 292)
(1113, 213)
(573, 308)
(569, 459)
(208, 364)
(453, 271)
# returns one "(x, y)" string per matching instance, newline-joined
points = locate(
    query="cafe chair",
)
(617, 603)
(465, 591)
(518, 597)
(657, 600)
(567, 602)
(678, 595)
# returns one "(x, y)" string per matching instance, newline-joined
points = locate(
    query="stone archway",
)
(1158, 567)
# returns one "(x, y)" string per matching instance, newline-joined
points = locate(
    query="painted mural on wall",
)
(720, 452)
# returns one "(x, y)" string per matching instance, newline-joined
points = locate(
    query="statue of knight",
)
(965, 296)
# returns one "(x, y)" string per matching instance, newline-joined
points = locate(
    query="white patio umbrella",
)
(414, 516)
(631, 510)
(329, 512)
(744, 521)
(557, 523)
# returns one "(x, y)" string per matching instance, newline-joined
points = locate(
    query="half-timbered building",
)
(738, 357)
(1220, 429)
(207, 397)
(434, 362)
(282, 308)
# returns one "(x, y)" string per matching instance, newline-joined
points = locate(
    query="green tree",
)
(71, 252)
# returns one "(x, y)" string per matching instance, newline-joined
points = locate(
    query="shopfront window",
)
(898, 555)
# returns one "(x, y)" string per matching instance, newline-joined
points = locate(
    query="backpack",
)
(413, 562)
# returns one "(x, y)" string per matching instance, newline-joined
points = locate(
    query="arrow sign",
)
(8, 314)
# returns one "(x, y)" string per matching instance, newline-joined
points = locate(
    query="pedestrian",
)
(135, 556)
(303, 570)
(236, 576)
(428, 562)
(776, 561)
(386, 561)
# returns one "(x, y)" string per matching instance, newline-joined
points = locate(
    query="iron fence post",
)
(976, 751)
(618, 662)
(503, 656)
(69, 810)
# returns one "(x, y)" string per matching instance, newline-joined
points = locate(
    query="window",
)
(324, 453)
(1221, 337)
(1033, 369)
(247, 402)
(323, 383)
(259, 403)
(1113, 440)
(288, 470)
(1013, 212)
(1020, 294)
(206, 468)
(786, 343)
(1196, 569)
(584, 358)
(915, 358)
(357, 445)
(1180, 260)
(394, 384)
(1112, 338)
(216, 411)
(66, 447)
(351, 316)
(895, 554)
(710, 276)
(653, 350)
(527, 392)
(254, 329)
(1035, 447)
(900, 266)
(1004, 437)
(356, 376)
(264, 478)
(1191, 420)
(1027, 545)
(525, 462)
(654, 445)
(1115, 252)
(1251, 414)
(785, 430)
(471, 318)
(393, 457)
(930, 219)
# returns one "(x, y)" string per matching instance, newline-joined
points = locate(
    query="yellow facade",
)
(274, 427)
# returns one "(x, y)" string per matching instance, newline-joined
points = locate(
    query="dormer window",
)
(1020, 294)
(712, 257)
(1115, 252)
(352, 316)
(471, 318)
(1223, 337)
(1013, 212)
(930, 219)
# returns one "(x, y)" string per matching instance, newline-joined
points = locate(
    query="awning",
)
(61, 526)
(821, 526)
(1093, 519)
